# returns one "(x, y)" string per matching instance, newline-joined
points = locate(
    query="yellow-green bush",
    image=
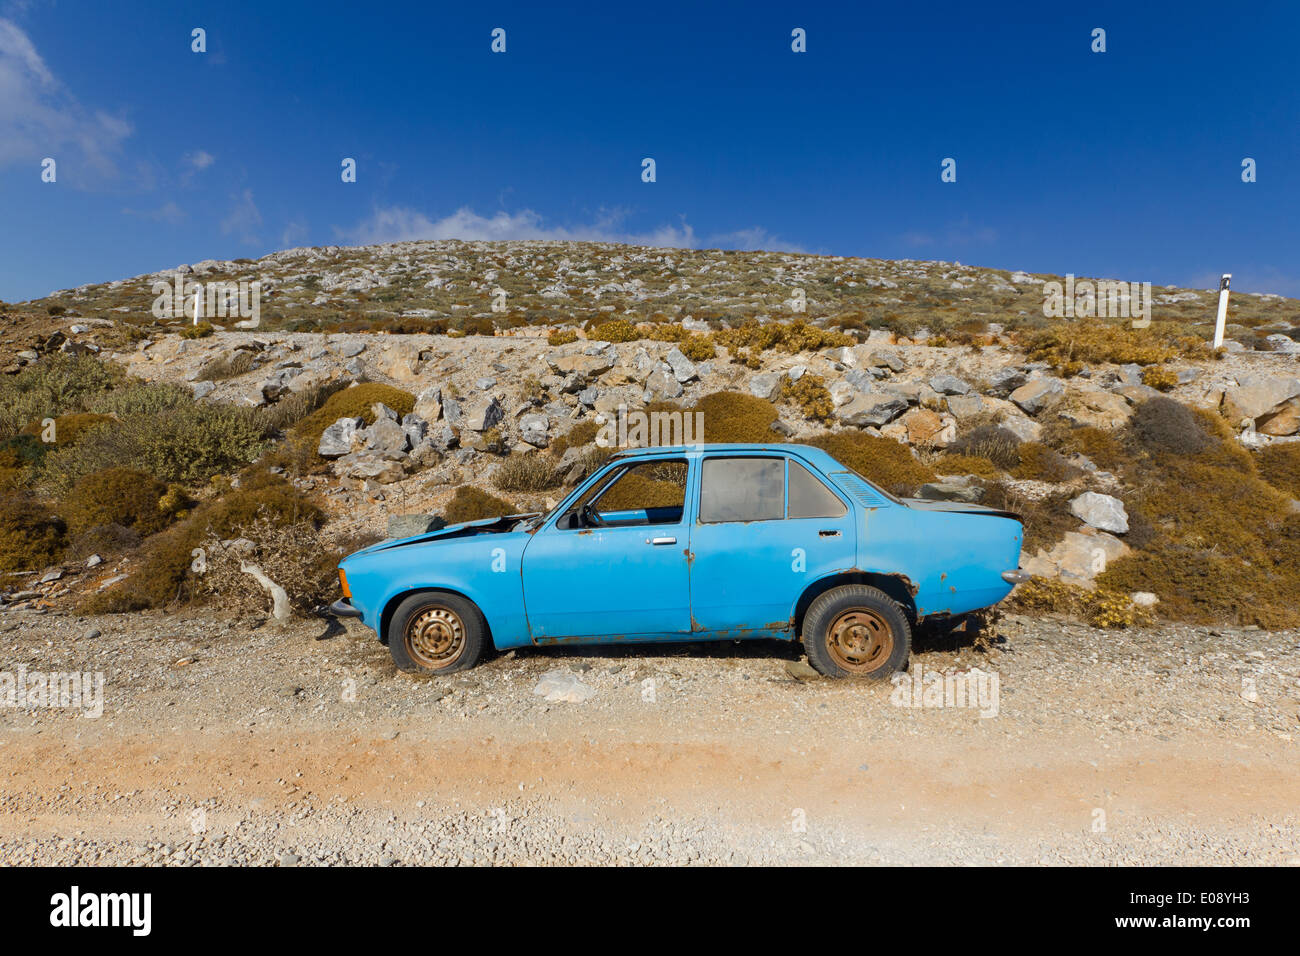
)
(811, 395)
(123, 496)
(1067, 346)
(562, 337)
(471, 504)
(354, 402)
(1279, 465)
(615, 330)
(31, 536)
(729, 417)
(698, 348)
(1160, 377)
(884, 461)
(796, 336)
(528, 473)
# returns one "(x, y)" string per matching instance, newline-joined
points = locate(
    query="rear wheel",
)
(434, 633)
(856, 631)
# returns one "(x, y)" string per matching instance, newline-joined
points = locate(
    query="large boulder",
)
(428, 404)
(1077, 558)
(1035, 395)
(1257, 395)
(1103, 512)
(482, 413)
(765, 385)
(533, 428)
(872, 408)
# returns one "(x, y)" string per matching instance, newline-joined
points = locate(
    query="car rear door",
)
(766, 526)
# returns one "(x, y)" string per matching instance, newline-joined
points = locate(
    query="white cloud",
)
(199, 159)
(400, 224)
(244, 218)
(39, 117)
(168, 212)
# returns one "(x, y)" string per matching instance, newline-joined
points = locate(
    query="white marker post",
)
(1223, 309)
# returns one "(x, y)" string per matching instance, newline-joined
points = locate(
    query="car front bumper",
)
(1016, 577)
(343, 608)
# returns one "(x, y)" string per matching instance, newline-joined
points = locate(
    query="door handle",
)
(660, 540)
(828, 533)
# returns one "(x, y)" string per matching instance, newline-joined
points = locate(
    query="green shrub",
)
(31, 536)
(470, 504)
(794, 337)
(200, 331)
(186, 443)
(698, 348)
(227, 365)
(54, 386)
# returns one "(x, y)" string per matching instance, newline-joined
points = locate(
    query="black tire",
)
(856, 631)
(436, 633)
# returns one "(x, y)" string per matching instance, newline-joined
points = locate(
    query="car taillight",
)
(343, 583)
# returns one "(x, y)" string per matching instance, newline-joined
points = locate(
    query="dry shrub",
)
(227, 365)
(1103, 448)
(615, 330)
(472, 504)
(296, 406)
(1160, 377)
(200, 331)
(887, 463)
(1040, 463)
(729, 417)
(527, 473)
(949, 464)
(292, 555)
(70, 428)
(106, 540)
(54, 386)
(797, 336)
(998, 445)
(580, 435)
(31, 535)
(698, 348)
(1102, 608)
(810, 394)
(1162, 425)
(562, 337)
(1068, 346)
(1046, 520)
(168, 572)
(1279, 465)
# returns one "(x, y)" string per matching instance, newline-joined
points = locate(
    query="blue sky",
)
(1125, 163)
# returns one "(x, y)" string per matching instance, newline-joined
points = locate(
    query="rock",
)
(683, 368)
(203, 389)
(963, 406)
(382, 412)
(93, 633)
(561, 686)
(765, 385)
(1257, 395)
(589, 396)
(802, 671)
(428, 404)
(842, 392)
(337, 439)
(482, 413)
(386, 437)
(949, 385)
(408, 526)
(415, 427)
(1136, 393)
(369, 466)
(662, 384)
(1034, 395)
(442, 437)
(955, 490)
(533, 428)
(1104, 512)
(581, 363)
(873, 408)
(1144, 599)
(50, 576)
(1006, 381)
(352, 349)
(1278, 342)
(1077, 558)
(886, 358)
(288, 859)
(94, 561)
(1283, 421)
(1099, 409)
(923, 426)
(1026, 429)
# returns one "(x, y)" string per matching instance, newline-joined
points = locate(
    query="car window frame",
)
(785, 486)
(610, 475)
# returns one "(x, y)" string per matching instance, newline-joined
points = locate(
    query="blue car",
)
(697, 543)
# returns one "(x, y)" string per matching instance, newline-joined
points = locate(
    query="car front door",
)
(767, 526)
(614, 565)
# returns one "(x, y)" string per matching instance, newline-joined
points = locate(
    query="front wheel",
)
(856, 631)
(434, 633)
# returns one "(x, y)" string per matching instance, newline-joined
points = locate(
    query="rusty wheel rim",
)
(434, 637)
(860, 641)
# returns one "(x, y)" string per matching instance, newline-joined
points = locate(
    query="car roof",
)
(807, 452)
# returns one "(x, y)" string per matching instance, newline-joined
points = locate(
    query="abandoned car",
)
(695, 543)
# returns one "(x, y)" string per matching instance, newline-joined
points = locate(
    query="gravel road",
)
(236, 741)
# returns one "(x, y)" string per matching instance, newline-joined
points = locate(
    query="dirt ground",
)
(235, 741)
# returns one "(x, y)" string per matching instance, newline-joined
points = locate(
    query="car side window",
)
(742, 489)
(810, 498)
(645, 493)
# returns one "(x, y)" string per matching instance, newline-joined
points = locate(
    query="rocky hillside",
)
(382, 386)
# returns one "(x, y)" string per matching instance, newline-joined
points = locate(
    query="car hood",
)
(463, 530)
(957, 507)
